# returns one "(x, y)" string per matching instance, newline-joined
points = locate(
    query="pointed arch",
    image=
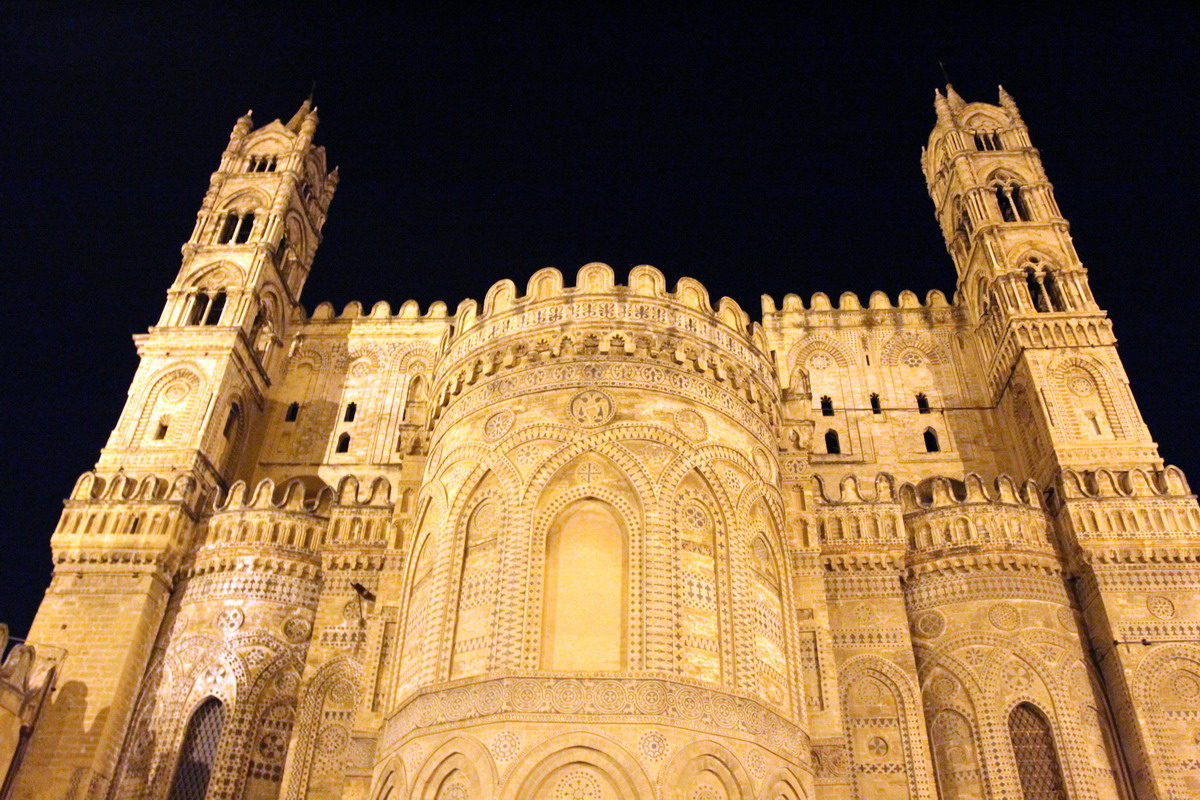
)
(198, 753)
(1036, 754)
(461, 768)
(605, 768)
(706, 769)
(586, 617)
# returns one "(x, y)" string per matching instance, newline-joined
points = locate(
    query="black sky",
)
(761, 149)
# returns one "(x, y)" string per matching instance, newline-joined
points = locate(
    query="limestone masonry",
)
(601, 538)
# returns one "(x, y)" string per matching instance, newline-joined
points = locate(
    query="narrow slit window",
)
(826, 406)
(922, 403)
(231, 421)
(351, 410)
(833, 445)
(1053, 292)
(293, 411)
(876, 408)
(160, 432)
(213, 317)
(133, 524)
(343, 443)
(931, 441)
(245, 229)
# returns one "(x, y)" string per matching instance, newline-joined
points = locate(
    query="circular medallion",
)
(498, 424)
(691, 425)
(696, 518)
(297, 630)
(819, 361)
(352, 611)
(878, 746)
(943, 687)
(912, 359)
(591, 408)
(528, 695)
(931, 624)
(504, 746)
(567, 696)
(272, 747)
(1004, 617)
(1065, 618)
(1081, 386)
(653, 746)
(610, 697)
(652, 698)
(1186, 687)
(230, 619)
(1160, 606)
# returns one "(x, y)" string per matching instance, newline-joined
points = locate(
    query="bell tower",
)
(1010, 243)
(187, 424)
(215, 349)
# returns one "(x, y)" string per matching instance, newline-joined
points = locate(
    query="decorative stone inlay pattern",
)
(1004, 616)
(534, 698)
(230, 619)
(691, 425)
(653, 746)
(591, 408)
(1160, 606)
(498, 424)
(297, 630)
(931, 624)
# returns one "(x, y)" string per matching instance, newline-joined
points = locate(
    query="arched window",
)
(1037, 761)
(199, 307)
(417, 403)
(1019, 201)
(293, 411)
(351, 410)
(213, 317)
(922, 403)
(826, 406)
(931, 441)
(1053, 292)
(235, 411)
(343, 443)
(1006, 208)
(586, 564)
(227, 228)
(244, 230)
(199, 751)
(876, 408)
(1036, 295)
(832, 445)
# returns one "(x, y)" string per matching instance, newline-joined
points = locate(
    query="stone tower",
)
(183, 434)
(614, 541)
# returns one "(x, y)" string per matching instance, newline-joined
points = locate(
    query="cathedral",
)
(602, 538)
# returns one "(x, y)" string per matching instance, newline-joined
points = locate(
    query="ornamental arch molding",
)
(461, 769)
(561, 758)
(705, 765)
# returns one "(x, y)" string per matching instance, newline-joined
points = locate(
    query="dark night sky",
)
(759, 150)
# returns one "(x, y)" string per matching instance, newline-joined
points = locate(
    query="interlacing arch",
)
(599, 763)
(912, 732)
(705, 764)
(1167, 685)
(338, 670)
(461, 769)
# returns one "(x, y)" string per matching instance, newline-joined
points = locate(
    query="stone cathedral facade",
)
(605, 538)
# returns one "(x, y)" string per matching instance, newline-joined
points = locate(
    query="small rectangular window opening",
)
(293, 411)
(160, 432)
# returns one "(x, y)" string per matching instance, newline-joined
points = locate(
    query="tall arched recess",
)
(1037, 758)
(199, 752)
(587, 564)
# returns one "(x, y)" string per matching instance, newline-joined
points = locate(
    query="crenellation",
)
(612, 540)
